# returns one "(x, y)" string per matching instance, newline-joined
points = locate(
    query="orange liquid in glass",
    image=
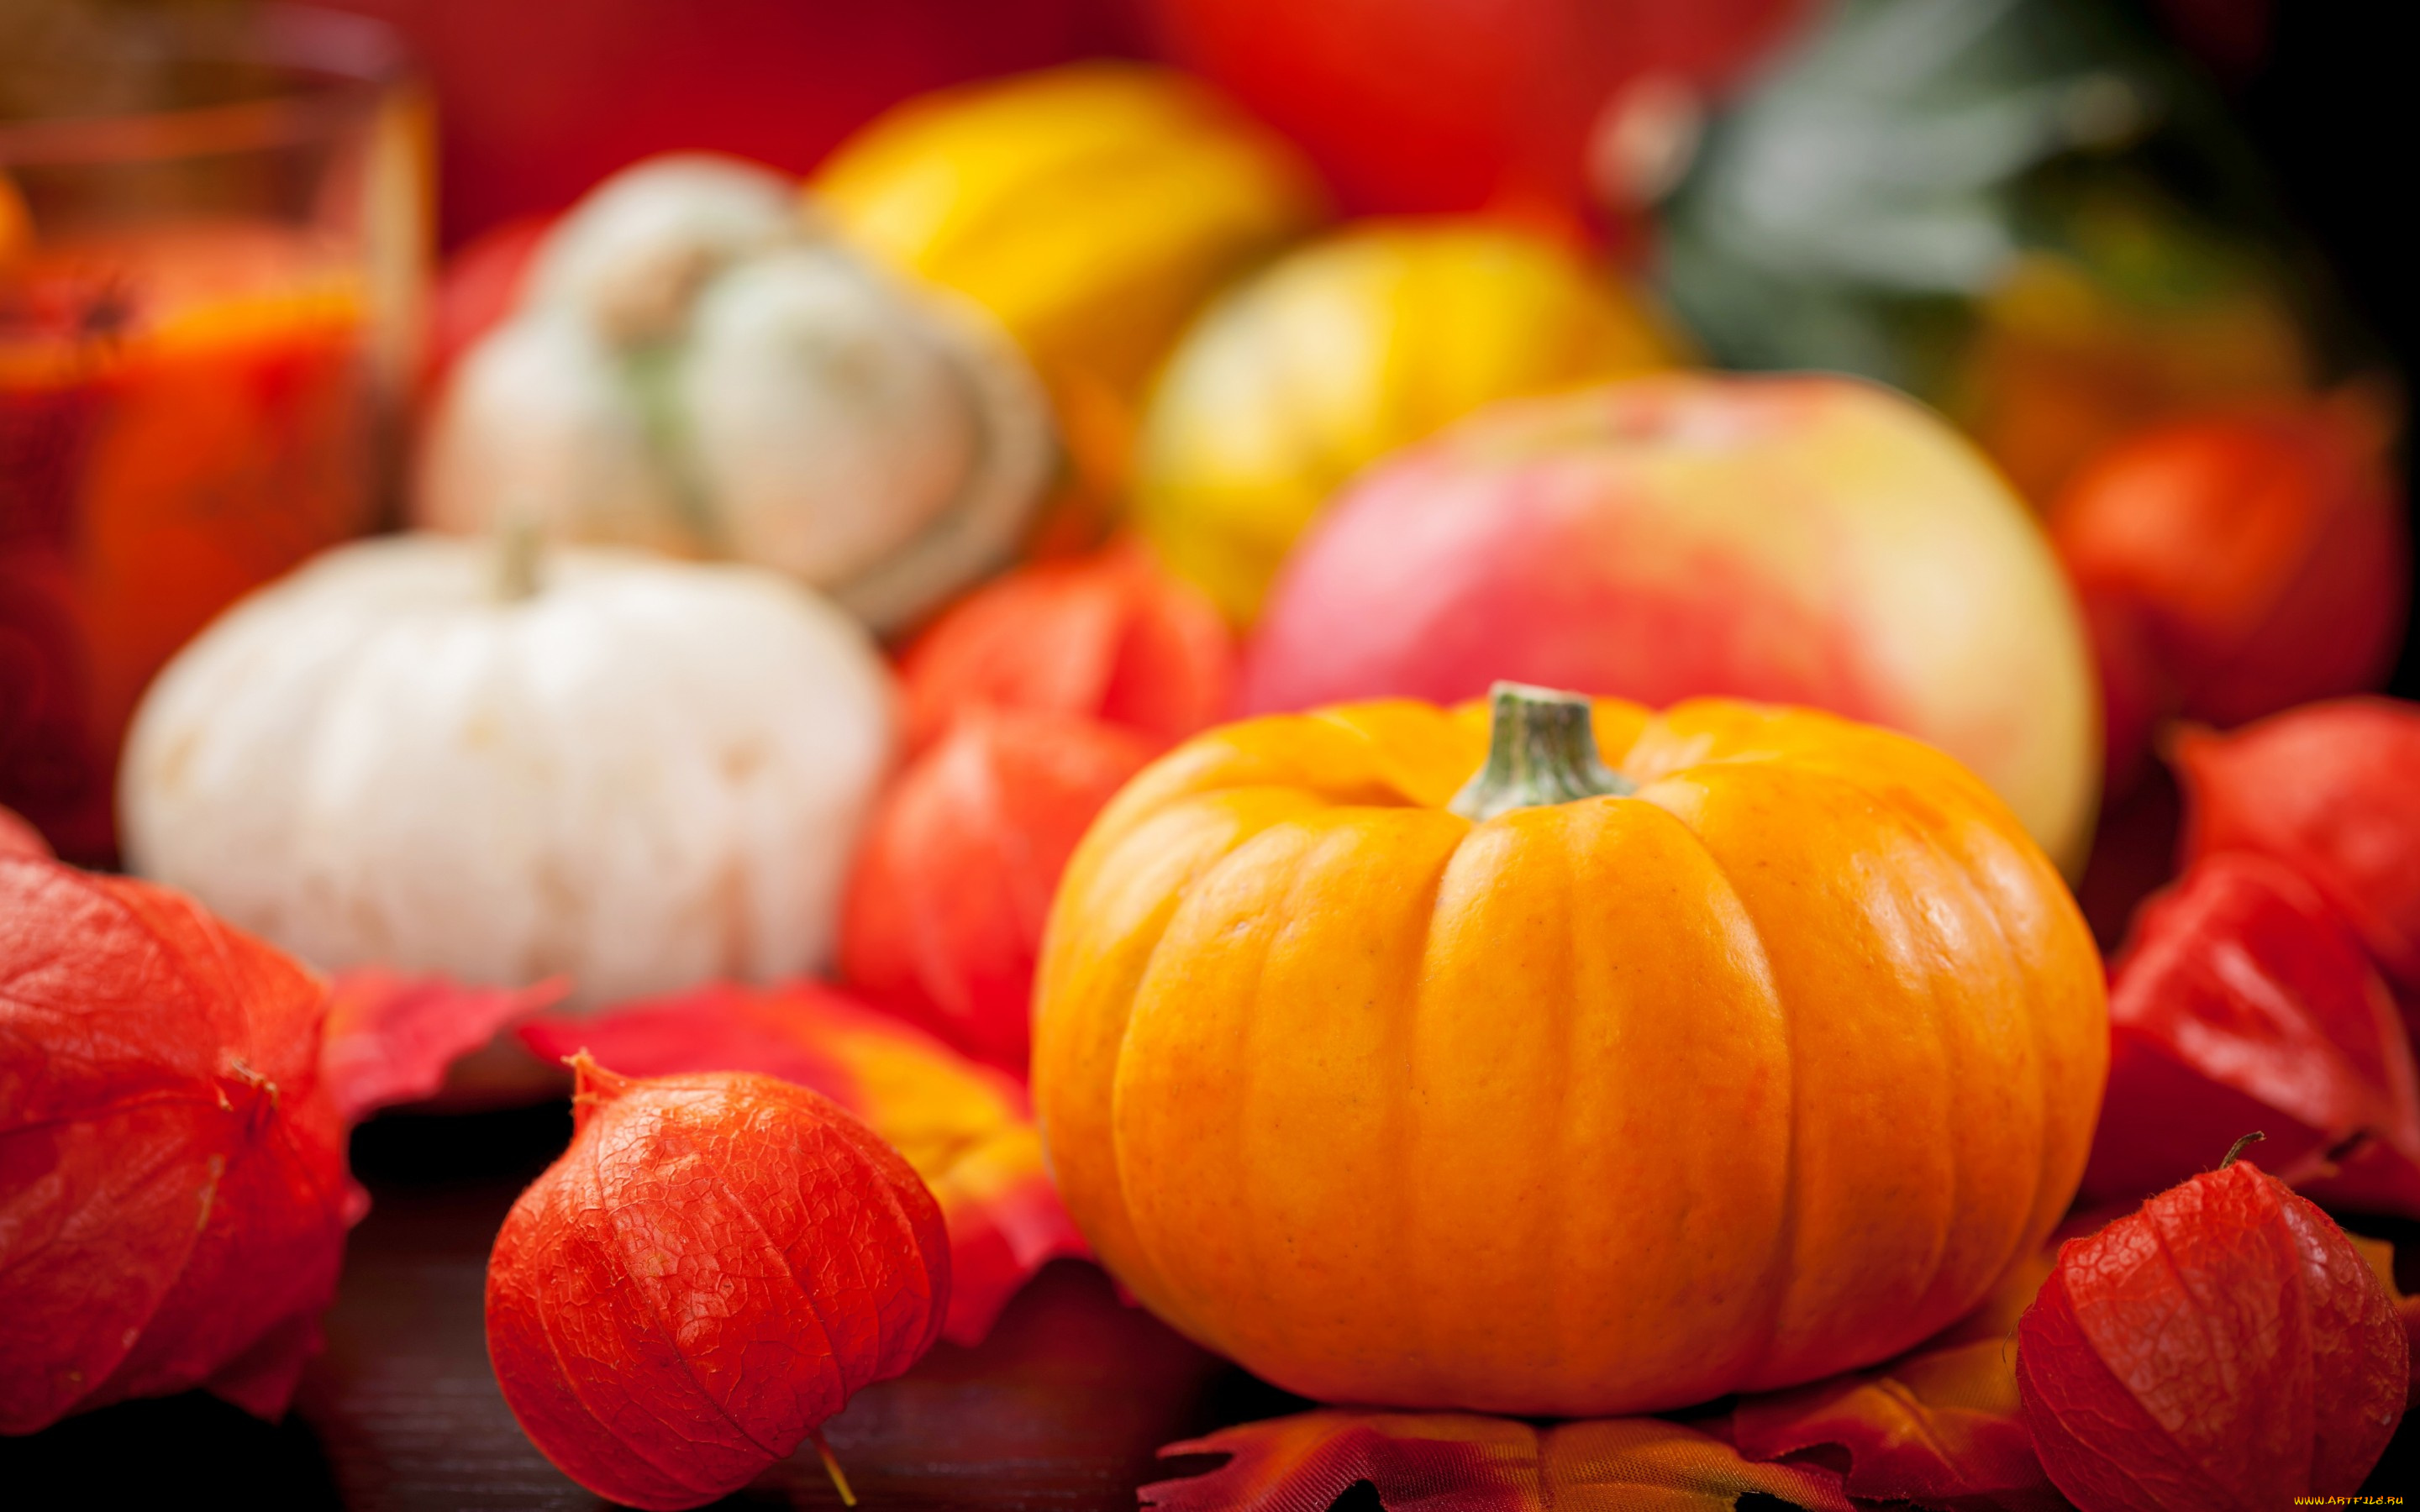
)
(184, 414)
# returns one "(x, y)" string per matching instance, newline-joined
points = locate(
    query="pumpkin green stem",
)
(1541, 750)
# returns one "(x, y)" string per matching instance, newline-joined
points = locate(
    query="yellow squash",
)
(1341, 353)
(1091, 208)
(1413, 1069)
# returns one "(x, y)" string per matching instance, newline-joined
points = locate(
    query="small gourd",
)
(697, 366)
(636, 772)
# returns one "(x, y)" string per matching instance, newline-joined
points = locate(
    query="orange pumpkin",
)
(1562, 1089)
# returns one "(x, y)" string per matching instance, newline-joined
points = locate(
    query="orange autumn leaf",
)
(965, 1127)
(1941, 1426)
(1461, 1462)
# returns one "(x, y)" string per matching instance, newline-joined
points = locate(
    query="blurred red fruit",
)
(1446, 105)
(2243, 1001)
(2234, 566)
(1113, 636)
(2332, 791)
(943, 918)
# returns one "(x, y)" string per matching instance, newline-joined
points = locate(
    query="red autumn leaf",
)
(1461, 1462)
(18, 837)
(715, 1265)
(1113, 635)
(2223, 1348)
(2244, 1002)
(390, 1037)
(966, 1128)
(1940, 1426)
(2235, 564)
(942, 923)
(2329, 790)
(172, 1193)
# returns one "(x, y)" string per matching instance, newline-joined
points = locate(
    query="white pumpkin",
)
(641, 773)
(699, 366)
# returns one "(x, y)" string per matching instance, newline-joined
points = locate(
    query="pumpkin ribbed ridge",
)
(1773, 1289)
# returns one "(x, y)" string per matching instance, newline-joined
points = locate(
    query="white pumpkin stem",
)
(518, 544)
(1541, 750)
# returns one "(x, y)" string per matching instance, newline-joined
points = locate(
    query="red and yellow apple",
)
(1808, 540)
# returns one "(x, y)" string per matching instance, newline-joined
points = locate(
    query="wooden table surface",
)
(1061, 1409)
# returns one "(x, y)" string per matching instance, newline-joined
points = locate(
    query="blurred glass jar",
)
(213, 239)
